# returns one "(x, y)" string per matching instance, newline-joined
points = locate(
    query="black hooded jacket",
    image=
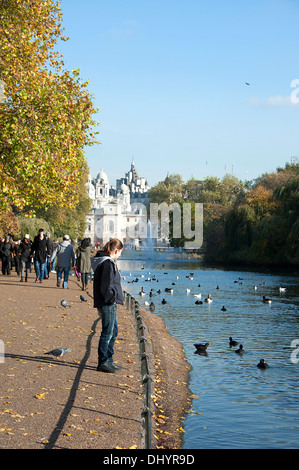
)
(107, 288)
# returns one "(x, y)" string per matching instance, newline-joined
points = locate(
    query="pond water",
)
(237, 405)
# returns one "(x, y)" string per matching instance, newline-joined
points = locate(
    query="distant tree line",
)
(252, 222)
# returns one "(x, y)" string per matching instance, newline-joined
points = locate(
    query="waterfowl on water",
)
(152, 306)
(142, 291)
(266, 300)
(209, 299)
(223, 309)
(198, 296)
(198, 302)
(240, 350)
(164, 301)
(201, 347)
(169, 289)
(232, 342)
(188, 290)
(262, 364)
(282, 289)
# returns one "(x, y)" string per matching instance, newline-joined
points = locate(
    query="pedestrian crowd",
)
(43, 256)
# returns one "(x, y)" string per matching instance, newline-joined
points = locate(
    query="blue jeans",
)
(66, 272)
(39, 270)
(109, 333)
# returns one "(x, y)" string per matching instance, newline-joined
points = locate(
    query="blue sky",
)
(169, 79)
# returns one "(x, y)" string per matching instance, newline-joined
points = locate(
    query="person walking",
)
(84, 262)
(25, 249)
(6, 252)
(39, 250)
(107, 293)
(16, 256)
(51, 247)
(65, 256)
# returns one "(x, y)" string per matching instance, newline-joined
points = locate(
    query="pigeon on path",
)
(83, 298)
(65, 304)
(58, 352)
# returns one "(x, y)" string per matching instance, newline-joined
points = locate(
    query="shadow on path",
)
(70, 401)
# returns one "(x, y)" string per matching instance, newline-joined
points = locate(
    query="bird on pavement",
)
(58, 352)
(83, 298)
(64, 304)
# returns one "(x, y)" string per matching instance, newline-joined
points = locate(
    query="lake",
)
(237, 405)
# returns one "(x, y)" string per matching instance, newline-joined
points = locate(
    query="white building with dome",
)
(117, 212)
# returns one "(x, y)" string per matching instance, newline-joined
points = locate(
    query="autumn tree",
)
(46, 113)
(70, 220)
(169, 190)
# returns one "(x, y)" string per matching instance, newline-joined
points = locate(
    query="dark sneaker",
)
(106, 368)
(115, 366)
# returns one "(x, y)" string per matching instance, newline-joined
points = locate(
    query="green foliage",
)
(265, 230)
(32, 225)
(246, 223)
(46, 114)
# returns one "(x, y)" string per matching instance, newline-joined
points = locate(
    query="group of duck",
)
(198, 296)
(201, 348)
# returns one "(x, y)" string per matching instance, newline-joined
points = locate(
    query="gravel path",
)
(49, 403)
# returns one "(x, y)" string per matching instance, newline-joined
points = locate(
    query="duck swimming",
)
(164, 301)
(201, 347)
(169, 289)
(142, 291)
(266, 300)
(240, 350)
(262, 364)
(223, 309)
(232, 342)
(209, 299)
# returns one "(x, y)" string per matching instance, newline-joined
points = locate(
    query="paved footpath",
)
(47, 403)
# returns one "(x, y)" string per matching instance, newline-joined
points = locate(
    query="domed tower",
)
(91, 191)
(102, 186)
(125, 195)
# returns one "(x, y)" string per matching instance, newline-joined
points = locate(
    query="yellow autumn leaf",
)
(40, 396)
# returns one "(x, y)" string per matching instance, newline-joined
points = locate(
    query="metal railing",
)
(146, 416)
